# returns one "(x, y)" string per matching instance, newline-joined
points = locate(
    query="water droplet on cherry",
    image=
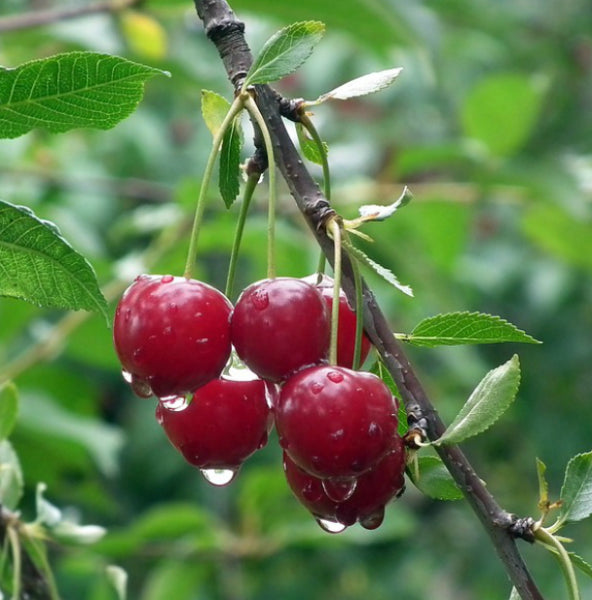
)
(331, 526)
(335, 376)
(340, 489)
(175, 403)
(219, 477)
(373, 520)
(260, 299)
(167, 279)
(127, 376)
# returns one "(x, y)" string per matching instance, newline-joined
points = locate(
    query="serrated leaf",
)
(229, 173)
(433, 479)
(11, 477)
(309, 147)
(214, 109)
(285, 51)
(385, 273)
(66, 91)
(543, 484)
(457, 328)
(38, 265)
(361, 86)
(487, 403)
(576, 492)
(8, 409)
(379, 369)
(581, 564)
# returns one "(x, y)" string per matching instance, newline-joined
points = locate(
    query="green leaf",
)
(385, 273)
(457, 328)
(11, 477)
(285, 51)
(514, 595)
(229, 174)
(576, 492)
(361, 86)
(65, 91)
(543, 484)
(433, 479)
(38, 265)
(501, 111)
(581, 564)
(487, 403)
(379, 369)
(8, 408)
(309, 148)
(214, 109)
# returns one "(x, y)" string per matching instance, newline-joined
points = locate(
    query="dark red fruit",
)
(279, 326)
(172, 334)
(335, 422)
(346, 333)
(373, 490)
(226, 421)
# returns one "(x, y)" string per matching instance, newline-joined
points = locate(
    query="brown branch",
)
(39, 18)
(500, 525)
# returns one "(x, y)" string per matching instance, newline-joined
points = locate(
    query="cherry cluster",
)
(343, 457)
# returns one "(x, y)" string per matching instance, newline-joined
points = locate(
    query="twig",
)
(219, 20)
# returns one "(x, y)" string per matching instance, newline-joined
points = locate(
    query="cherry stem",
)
(255, 113)
(335, 230)
(15, 547)
(547, 539)
(314, 134)
(321, 267)
(236, 107)
(251, 184)
(359, 314)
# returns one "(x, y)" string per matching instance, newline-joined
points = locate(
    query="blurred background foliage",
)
(489, 125)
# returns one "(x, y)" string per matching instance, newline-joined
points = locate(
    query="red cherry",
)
(226, 421)
(373, 490)
(172, 334)
(279, 326)
(346, 333)
(335, 422)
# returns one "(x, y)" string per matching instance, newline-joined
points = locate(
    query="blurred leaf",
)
(172, 579)
(381, 212)
(543, 484)
(558, 233)
(8, 408)
(308, 146)
(144, 34)
(118, 578)
(465, 328)
(285, 51)
(434, 480)
(66, 91)
(45, 512)
(11, 477)
(487, 403)
(229, 174)
(501, 111)
(214, 109)
(38, 265)
(361, 86)
(581, 564)
(576, 492)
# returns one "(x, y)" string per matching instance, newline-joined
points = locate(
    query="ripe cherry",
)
(226, 421)
(373, 490)
(279, 326)
(335, 422)
(172, 334)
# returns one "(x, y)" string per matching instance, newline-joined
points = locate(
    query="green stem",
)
(255, 113)
(543, 536)
(321, 267)
(235, 109)
(314, 134)
(252, 182)
(335, 230)
(359, 315)
(15, 545)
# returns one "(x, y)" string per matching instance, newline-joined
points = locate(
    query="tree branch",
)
(500, 525)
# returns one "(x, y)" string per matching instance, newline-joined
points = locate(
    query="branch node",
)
(523, 528)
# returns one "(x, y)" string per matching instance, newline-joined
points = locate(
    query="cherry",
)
(372, 491)
(335, 422)
(226, 421)
(279, 326)
(346, 332)
(171, 334)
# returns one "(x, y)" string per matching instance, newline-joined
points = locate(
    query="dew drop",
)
(167, 279)
(316, 387)
(263, 441)
(331, 526)
(373, 520)
(219, 477)
(260, 299)
(337, 435)
(340, 489)
(374, 430)
(127, 376)
(141, 387)
(335, 376)
(311, 492)
(175, 403)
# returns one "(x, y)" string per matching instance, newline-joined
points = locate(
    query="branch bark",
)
(219, 22)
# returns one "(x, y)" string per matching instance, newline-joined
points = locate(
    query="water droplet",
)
(127, 376)
(331, 526)
(260, 299)
(262, 441)
(340, 489)
(167, 279)
(175, 403)
(141, 387)
(167, 330)
(284, 443)
(335, 376)
(316, 387)
(138, 352)
(337, 435)
(201, 341)
(373, 520)
(374, 430)
(219, 477)
(312, 491)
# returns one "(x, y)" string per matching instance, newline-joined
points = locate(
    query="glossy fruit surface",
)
(171, 334)
(279, 326)
(373, 490)
(335, 422)
(226, 421)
